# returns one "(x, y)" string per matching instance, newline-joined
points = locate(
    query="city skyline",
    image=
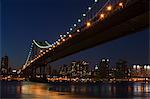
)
(22, 24)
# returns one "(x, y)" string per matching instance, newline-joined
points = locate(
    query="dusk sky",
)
(25, 20)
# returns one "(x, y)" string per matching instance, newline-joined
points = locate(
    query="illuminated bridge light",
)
(79, 20)
(148, 67)
(46, 50)
(109, 8)
(70, 35)
(41, 51)
(50, 48)
(78, 30)
(63, 40)
(89, 8)
(67, 32)
(64, 35)
(70, 29)
(88, 24)
(102, 16)
(84, 14)
(95, 0)
(74, 25)
(60, 35)
(121, 4)
(58, 43)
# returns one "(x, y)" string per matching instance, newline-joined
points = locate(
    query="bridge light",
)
(89, 8)
(121, 4)
(95, 1)
(79, 20)
(67, 32)
(60, 35)
(50, 48)
(58, 43)
(74, 25)
(70, 35)
(84, 15)
(41, 51)
(109, 8)
(59, 40)
(70, 29)
(78, 30)
(102, 16)
(64, 35)
(88, 24)
(63, 40)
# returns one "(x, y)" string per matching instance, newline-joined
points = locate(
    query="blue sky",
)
(25, 20)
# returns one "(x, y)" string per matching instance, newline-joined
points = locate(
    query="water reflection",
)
(25, 90)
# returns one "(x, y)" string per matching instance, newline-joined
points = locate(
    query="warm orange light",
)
(41, 51)
(58, 43)
(109, 8)
(121, 4)
(63, 40)
(88, 24)
(102, 16)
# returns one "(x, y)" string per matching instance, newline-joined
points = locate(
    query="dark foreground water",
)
(32, 90)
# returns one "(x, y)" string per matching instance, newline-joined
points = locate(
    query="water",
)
(29, 90)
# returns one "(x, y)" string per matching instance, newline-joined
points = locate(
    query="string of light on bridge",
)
(102, 14)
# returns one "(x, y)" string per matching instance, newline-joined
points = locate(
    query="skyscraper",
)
(4, 65)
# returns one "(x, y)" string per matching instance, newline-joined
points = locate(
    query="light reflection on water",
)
(29, 90)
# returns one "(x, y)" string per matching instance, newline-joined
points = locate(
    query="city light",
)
(88, 24)
(109, 8)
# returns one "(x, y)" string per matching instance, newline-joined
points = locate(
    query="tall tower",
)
(4, 65)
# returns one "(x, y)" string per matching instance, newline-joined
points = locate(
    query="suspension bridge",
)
(100, 24)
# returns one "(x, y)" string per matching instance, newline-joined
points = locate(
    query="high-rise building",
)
(4, 65)
(122, 69)
(103, 68)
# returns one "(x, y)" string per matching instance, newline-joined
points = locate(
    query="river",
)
(30, 90)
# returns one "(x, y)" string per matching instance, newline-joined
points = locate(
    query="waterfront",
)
(29, 90)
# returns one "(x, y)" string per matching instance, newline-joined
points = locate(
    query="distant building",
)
(122, 69)
(102, 69)
(78, 69)
(140, 71)
(4, 65)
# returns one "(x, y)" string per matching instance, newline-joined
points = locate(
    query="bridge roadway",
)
(129, 20)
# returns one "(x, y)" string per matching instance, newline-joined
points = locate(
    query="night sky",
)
(25, 20)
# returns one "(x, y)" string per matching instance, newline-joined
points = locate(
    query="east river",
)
(33, 90)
